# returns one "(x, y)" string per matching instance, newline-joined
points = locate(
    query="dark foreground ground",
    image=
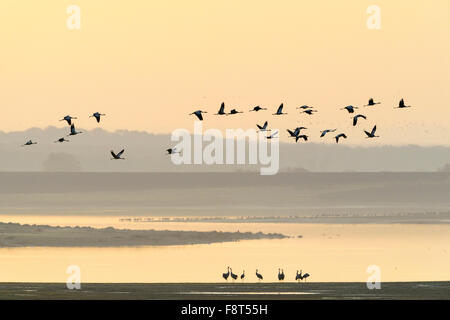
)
(211, 291)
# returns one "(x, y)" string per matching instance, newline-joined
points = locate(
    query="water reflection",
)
(329, 252)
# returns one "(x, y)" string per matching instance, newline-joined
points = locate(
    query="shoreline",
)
(15, 235)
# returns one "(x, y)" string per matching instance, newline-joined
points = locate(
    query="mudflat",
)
(241, 291)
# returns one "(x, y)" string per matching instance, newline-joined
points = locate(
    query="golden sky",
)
(147, 64)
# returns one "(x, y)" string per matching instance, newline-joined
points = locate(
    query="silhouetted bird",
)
(355, 118)
(73, 132)
(302, 136)
(234, 111)
(279, 110)
(257, 108)
(198, 113)
(221, 110)
(117, 156)
(306, 275)
(350, 109)
(259, 275)
(296, 132)
(172, 151)
(280, 274)
(304, 107)
(61, 140)
(372, 133)
(272, 136)
(309, 111)
(68, 119)
(371, 103)
(402, 105)
(97, 116)
(263, 127)
(233, 275)
(324, 132)
(29, 143)
(341, 135)
(227, 274)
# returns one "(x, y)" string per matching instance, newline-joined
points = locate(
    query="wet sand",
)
(213, 291)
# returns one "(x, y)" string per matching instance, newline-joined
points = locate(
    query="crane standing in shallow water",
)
(306, 275)
(233, 275)
(259, 275)
(280, 274)
(227, 274)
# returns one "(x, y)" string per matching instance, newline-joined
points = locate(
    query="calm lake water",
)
(329, 252)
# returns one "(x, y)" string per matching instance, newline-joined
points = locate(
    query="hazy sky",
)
(147, 64)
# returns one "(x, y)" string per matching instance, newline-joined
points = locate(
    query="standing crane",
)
(226, 274)
(259, 275)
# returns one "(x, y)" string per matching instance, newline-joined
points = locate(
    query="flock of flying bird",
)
(296, 133)
(298, 277)
(74, 132)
